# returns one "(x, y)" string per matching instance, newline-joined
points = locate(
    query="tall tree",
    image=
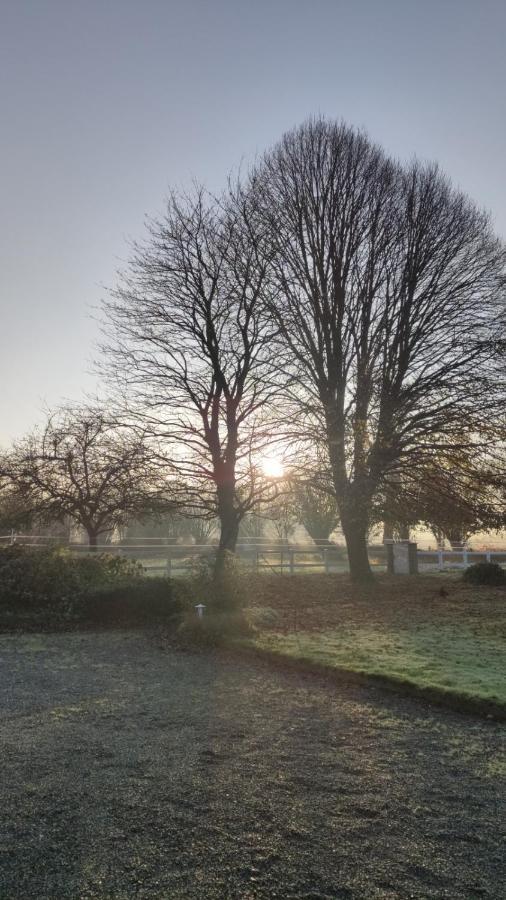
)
(82, 465)
(386, 285)
(188, 342)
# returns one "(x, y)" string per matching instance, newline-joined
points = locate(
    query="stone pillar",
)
(405, 558)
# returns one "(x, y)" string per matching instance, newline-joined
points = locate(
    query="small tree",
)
(284, 516)
(83, 466)
(316, 507)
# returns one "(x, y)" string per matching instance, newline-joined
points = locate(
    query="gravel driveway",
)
(132, 770)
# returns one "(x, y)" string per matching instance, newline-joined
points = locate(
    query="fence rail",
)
(458, 559)
(157, 555)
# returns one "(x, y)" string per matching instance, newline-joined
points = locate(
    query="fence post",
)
(256, 560)
(487, 556)
(326, 560)
(465, 558)
(440, 559)
(292, 566)
(169, 565)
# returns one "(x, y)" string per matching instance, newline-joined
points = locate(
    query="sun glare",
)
(272, 467)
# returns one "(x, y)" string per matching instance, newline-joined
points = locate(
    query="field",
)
(132, 769)
(432, 633)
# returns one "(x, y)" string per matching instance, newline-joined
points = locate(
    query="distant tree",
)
(83, 466)
(386, 285)
(177, 524)
(454, 497)
(16, 510)
(197, 526)
(283, 514)
(252, 526)
(189, 345)
(316, 507)
(456, 507)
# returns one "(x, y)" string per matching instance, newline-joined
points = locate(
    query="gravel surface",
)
(133, 770)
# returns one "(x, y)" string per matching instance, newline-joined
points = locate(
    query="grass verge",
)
(406, 636)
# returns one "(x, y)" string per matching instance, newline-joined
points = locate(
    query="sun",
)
(272, 467)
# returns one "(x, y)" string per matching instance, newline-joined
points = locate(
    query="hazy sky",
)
(104, 105)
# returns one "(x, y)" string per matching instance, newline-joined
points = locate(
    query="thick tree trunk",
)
(229, 525)
(355, 524)
(353, 500)
(229, 532)
(92, 539)
(355, 535)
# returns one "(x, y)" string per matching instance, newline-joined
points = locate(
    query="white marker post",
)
(200, 607)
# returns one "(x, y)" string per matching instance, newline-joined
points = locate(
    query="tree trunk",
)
(457, 538)
(388, 531)
(229, 525)
(92, 539)
(355, 535)
(229, 532)
(354, 513)
(353, 502)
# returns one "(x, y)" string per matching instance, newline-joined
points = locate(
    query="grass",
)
(431, 634)
(452, 659)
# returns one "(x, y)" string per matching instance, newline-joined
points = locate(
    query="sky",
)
(107, 104)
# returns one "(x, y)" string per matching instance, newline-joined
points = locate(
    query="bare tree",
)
(16, 509)
(284, 516)
(84, 466)
(386, 285)
(252, 527)
(176, 525)
(188, 342)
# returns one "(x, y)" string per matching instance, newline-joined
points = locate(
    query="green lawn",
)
(430, 633)
(448, 658)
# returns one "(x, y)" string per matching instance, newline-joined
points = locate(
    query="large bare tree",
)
(188, 344)
(84, 466)
(386, 285)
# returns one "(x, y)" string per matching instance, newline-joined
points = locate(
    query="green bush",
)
(143, 601)
(487, 573)
(221, 588)
(34, 580)
(48, 586)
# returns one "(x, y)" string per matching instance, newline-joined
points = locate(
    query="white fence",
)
(159, 556)
(442, 560)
